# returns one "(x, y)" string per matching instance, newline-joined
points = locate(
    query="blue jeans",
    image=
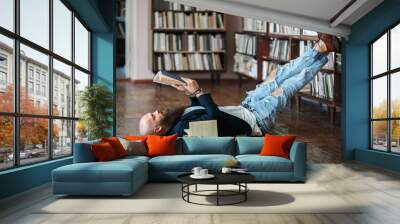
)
(290, 77)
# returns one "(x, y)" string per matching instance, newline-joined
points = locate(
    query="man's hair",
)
(171, 116)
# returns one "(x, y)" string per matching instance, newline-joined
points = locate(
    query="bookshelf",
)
(188, 39)
(261, 46)
(120, 25)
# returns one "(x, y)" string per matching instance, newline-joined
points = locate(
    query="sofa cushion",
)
(249, 145)
(185, 163)
(103, 152)
(257, 163)
(112, 171)
(206, 145)
(83, 152)
(277, 145)
(116, 145)
(161, 145)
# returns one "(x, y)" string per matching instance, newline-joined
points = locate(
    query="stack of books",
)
(245, 64)
(305, 45)
(245, 44)
(283, 29)
(188, 62)
(167, 42)
(254, 25)
(177, 42)
(268, 66)
(279, 49)
(323, 85)
(208, 42)
(182, 20)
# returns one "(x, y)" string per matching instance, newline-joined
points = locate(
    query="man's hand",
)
(181, 88)
(191, 85)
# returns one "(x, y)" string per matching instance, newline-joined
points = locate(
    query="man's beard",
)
(171, 115)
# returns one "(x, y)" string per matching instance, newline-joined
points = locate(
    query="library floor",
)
(311, 125)
(377, 190)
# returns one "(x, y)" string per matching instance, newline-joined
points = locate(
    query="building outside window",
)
(56, 129)
(385, 92)
(30, 87)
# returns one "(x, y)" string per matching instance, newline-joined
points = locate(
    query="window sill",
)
(26, 167)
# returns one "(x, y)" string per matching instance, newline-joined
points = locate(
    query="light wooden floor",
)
(378, 189)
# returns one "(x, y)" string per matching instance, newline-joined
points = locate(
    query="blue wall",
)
(355, 133)
(99, 16)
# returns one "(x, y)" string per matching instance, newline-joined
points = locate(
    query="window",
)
(7, 75)
(30, 72)
(385, 94)
(7, 14)
(35, 21)
(81, 45)
(62, 74)
(3, 78)
(45, 120)
(30, 88)
(62, 29)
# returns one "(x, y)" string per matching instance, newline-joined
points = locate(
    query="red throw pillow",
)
(161, 145)
(103, 152)
(277, 145)
(136, 137)
(116, 145)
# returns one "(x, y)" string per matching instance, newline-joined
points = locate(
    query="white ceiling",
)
(308, 14)
(321, 9)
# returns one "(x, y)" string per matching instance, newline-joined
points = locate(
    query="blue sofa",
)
(125, 176)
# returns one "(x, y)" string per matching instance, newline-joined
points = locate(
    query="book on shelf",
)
(309, 33)
(330, 65)
(245, 64)
(268, 67)
(254, 25)
(321, 86)
(193, 20)
(209, 42)
(245, 44)
(338, 62)
(305, 45)
(168, 78)
(180, 7)
(188, 62)
(283, 29)
(279, 49)
(194, 42)
(167, 42)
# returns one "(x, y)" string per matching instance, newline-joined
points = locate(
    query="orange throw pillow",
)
(277, 145)
(103, 152)
(161, 145)
(136, 137)
(116, 145)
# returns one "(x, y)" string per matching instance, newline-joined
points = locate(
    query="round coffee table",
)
(238, 179)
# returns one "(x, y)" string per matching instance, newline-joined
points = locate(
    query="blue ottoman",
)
(118, 177)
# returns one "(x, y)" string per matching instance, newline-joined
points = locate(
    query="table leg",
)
(245, 193)
(217, 194)
(196, 187)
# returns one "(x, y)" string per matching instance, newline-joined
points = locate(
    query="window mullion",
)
(73, 82)
(389, 106)
(16, 85)
(50, 81)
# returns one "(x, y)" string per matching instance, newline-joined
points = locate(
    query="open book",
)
(168, 78)
(202, 128)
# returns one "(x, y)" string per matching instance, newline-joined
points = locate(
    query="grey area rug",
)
(166, 198)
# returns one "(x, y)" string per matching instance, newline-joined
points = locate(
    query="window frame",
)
(388, 74)
(16, 114)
